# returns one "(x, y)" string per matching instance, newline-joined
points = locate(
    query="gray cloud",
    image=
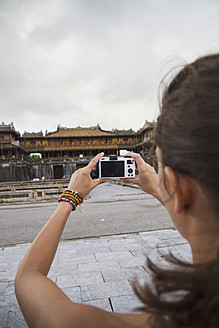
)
(81, 62)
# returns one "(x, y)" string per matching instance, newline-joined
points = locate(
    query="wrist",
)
(71, 197)
(65, 207)
(157, 195)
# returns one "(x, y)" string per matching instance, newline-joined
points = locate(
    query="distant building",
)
(66, 149)
(76, 142)
(146, 143)
(9, 141)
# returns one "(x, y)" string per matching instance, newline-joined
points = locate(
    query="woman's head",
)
(188, 127)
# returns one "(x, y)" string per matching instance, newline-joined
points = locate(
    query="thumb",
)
(131, 180)
(98, 181)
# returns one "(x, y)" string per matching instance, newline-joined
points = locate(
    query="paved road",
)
(111, 210)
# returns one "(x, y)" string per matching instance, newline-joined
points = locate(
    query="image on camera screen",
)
(112, 169)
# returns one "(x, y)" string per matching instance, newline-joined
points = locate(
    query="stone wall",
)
(15, 171)
(25, 170)
(53, 169)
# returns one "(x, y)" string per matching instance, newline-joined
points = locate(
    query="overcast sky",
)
(83, 62)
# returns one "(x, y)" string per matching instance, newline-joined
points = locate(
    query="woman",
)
(187, 185)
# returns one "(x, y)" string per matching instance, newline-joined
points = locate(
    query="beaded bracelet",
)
(72, 197)
(75, 194)
(66, 199)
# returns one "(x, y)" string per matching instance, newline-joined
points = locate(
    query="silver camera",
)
(116, 167)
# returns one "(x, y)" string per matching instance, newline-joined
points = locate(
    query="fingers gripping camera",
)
(116, 167)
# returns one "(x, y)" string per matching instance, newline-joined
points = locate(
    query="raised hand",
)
(147, 178)
(81, 180)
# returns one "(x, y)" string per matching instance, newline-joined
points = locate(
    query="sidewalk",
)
(94, 271)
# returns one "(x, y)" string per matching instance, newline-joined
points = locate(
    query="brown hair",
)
(188, 136)
(188, 128)
(186, 296)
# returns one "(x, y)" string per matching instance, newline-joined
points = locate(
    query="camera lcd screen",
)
(112, 169)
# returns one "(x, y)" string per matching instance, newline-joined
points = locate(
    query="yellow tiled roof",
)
(79, 132)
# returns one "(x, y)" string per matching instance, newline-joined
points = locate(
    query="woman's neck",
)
(204, 246)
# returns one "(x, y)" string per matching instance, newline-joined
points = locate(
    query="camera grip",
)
(95, 172)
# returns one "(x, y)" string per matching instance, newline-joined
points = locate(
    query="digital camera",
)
(116, 167)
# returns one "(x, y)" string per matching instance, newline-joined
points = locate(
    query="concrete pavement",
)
(95, 271)
(102, 216)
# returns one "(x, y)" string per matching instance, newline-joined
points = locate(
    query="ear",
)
(180, 187)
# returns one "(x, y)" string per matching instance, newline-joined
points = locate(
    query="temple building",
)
(57, 154)
(77, 142)
(9, 141)
(145, 144)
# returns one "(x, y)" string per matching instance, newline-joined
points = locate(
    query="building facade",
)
(9, 141)
(77, 142)
(59, 153)
(146, 143)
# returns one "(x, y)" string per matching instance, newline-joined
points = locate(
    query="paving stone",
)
(73, 244)
(97, 271)
(81, 259)
(103, 303)
(142, 251)
(151, 240)
(74, 293)
(126, 255)
(169, 242)
(2, 303)
(97, 242)
(133, 271)
(63, 269)
(169, 234)
(118, 247)
(182, 252)
(19, 318)
(9, 300)
(131, 237)
(148, 233)
(108, 289)
(10, 265)
(10, 313)
(136, 246)
(79, 279)
(14, 251)
(9, 318)
(52, 277)
(125, 304)
(123, 273)
(93, 250)
(13, 254)
(66, 254)
(10, 288)
(134, 262)
(127, 246)
(123, 240)
(97, 266)
(7, 275)
(3, 286)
